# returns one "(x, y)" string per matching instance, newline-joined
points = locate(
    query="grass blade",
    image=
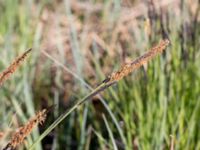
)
(110, 133)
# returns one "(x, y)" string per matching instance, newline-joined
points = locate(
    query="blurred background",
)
(76, 44)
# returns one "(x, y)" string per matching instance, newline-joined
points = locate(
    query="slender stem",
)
(90, 88)
(100, 88)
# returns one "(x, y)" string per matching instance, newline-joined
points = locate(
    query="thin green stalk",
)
(100, 88)
(90, 88)
(100, 137)
(83, 127)
(110, 133)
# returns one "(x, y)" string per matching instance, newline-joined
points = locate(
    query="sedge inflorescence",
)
(12, 68)
(19, 136)
(130, 67)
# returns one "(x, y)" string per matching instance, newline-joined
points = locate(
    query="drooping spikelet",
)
(130, 67)
(12, 68)
(19, 136)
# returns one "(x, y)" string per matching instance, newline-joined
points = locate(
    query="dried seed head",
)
(19, 136)
(130, 67)
(12, 68)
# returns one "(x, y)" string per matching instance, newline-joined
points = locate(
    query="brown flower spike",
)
(19, 136)
(130, 67)
(12, 68)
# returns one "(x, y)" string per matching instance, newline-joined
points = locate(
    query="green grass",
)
(143, 110)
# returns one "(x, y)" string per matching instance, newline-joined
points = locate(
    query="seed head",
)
(12, 68)
(19, 136)
(130, 67)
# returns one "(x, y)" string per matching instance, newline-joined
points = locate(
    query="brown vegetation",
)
(12, 68)
(19, 136)
(130, 67)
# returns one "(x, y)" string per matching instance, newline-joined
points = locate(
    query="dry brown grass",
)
(130, 67)
(13, 67)
(19, 136)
